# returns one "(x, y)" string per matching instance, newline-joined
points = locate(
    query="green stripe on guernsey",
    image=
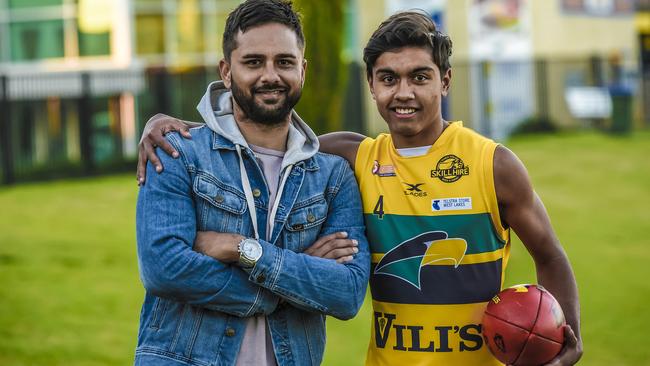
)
(384, 234)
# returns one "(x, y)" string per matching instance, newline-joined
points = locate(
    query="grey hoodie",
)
(216, 109)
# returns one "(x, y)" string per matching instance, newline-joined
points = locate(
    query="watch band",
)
(250, 252)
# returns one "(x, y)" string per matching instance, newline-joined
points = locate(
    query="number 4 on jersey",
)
(379, 207)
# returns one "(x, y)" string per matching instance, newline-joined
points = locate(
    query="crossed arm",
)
(178, 263)
(169, 267)
(333, 246)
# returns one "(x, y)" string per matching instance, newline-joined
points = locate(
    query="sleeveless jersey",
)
(438, 248)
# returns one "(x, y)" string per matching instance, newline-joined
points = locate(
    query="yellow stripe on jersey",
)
(467, 259)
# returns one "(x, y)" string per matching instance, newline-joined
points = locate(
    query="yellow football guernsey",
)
(438, 248)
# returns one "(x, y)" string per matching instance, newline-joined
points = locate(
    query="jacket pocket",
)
(219, 206)
(158, 313)
(304, 223)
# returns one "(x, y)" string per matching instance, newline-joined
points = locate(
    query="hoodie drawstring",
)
(276, 203)
(246, 185)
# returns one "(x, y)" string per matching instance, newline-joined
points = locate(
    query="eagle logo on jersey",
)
(406, 260)
(449, 169)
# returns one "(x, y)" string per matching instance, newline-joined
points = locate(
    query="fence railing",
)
(84, 123)
(495, 97)
(64, 124)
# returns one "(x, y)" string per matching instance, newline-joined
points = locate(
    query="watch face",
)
(252, 249)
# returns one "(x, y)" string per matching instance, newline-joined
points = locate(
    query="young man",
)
(439, 202)
(233, 237)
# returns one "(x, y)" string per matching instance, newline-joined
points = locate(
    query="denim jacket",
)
(195, 307)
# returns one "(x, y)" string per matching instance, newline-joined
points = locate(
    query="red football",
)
(524, 325)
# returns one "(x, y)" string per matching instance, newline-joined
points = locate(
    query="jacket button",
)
(219, 198)
(282, 348)
(260, 278)
(256, 193)
(311, 218)
(298, 226)
(230, 332)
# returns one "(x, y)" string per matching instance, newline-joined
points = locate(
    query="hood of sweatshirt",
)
(216, 109)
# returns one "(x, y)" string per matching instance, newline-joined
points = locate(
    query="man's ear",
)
(224, 70)
(446, 83)
(304, 72)
(370, 86)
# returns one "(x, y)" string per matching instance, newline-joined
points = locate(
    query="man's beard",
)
(259, 114)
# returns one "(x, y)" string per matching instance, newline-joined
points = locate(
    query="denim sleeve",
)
(169, 268)
(318, 284)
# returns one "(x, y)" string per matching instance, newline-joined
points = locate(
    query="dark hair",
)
(253, 13)
(404, 29)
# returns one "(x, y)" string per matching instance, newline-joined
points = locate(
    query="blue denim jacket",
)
(195, 306)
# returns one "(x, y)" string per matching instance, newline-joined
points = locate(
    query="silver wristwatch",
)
(250, 251)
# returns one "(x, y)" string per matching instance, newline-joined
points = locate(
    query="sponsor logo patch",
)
(392, 333)
(449, 169)
(414, 190)
(451, 204)
(382, 170)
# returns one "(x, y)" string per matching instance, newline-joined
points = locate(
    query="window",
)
(46, 29)
(16, 4)
(189, 29)
(150, 34)
(93, 26)
(35, 40)
(94, 44)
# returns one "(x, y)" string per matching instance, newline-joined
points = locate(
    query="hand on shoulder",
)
(153, 136)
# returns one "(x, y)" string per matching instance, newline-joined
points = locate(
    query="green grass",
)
(70, 292)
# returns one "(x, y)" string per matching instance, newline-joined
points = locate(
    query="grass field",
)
(70, 292)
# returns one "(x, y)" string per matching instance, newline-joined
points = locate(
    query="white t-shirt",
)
(257, 347)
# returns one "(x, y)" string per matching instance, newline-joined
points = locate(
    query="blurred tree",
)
(323, 95)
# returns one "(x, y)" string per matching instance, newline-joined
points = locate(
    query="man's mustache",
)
(267, 88)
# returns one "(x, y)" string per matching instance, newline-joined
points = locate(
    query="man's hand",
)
(571, 352)
(220, 246)
(153, 136)
(334, 246)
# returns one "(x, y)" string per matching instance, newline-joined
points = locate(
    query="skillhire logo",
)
(449, 169)
(425, 339)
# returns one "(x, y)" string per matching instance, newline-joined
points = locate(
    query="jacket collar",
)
(221, 143)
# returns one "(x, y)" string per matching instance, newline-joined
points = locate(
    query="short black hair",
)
(404, 29)
(252, 13)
